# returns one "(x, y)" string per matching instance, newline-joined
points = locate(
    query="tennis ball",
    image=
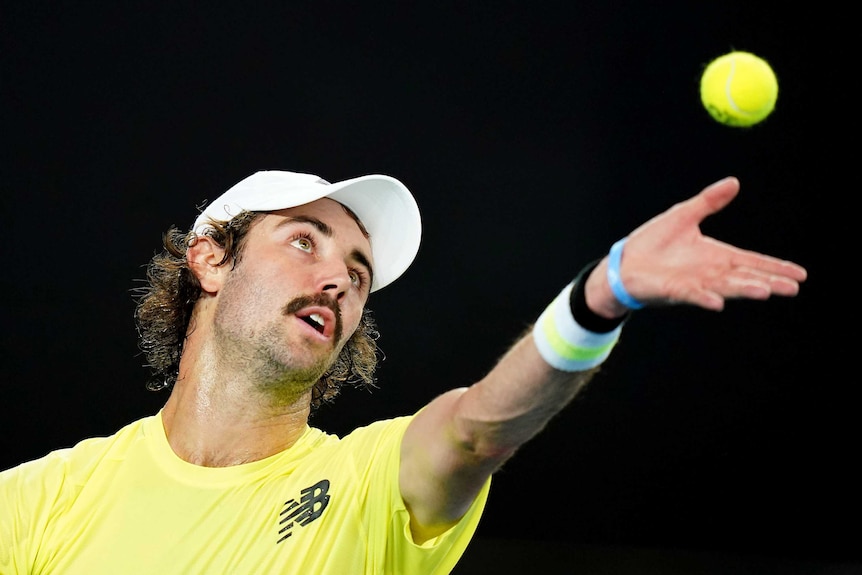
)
(738, 89)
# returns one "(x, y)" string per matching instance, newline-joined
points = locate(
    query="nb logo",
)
(312, 501)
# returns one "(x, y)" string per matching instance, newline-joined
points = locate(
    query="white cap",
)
(384, 205)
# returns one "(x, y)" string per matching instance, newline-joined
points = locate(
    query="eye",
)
(358, 278)
(303, 242)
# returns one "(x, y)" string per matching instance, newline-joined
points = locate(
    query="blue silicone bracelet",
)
(616, 281)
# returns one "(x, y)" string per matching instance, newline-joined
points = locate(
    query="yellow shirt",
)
(126, 504)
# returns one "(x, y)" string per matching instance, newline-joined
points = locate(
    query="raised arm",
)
(457, 441)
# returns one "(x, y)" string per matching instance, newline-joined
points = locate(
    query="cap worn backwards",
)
(383, 204)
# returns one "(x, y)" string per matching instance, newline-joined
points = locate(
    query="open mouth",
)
(320, 313)
(322, 320)
(315, 320)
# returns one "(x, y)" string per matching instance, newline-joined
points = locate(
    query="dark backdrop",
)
(533, 136)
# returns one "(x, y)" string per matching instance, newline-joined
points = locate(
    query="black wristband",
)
(583, 315)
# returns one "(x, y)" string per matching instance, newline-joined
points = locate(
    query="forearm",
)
(514, 402)
(463, 436)
(540, 374)
(466, 434)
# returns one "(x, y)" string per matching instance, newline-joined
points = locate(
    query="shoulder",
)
(378, 433)
(67, 466)
(379, 441)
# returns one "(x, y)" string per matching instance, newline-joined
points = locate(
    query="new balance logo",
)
(312, 501)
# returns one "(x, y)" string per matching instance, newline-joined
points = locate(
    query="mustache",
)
(321, 299)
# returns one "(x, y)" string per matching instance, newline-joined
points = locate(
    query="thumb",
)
(712, 199)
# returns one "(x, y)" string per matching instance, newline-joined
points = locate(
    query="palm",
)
(676, 263)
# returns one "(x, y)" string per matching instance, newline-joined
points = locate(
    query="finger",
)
(783, 286)
(704, 298)
(769, 265)
(731, 288)
(711, 199)
(754, 284)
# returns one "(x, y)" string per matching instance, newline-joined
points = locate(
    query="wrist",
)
(569, 335)
(599, 298)
(615, 279)
(593, 304)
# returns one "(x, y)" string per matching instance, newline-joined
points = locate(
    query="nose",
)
(333, 279)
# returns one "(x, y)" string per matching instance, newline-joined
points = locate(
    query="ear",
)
(204, 256)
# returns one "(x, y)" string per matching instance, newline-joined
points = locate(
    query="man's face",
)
(297, 292)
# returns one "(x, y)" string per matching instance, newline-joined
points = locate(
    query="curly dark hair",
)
(165, 304)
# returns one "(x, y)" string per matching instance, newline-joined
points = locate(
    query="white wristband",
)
(564, 344)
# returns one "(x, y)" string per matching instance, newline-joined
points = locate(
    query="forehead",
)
(341, 222)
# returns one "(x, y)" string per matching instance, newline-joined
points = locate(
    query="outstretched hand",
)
(667, 260)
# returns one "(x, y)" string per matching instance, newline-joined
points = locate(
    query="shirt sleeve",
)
(390, 537)
(29, 494)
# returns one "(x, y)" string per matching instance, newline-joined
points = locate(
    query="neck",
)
(217, 420)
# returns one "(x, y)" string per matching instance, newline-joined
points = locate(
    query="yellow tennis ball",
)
(739, 89)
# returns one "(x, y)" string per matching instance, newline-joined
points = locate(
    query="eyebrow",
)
(326, 230)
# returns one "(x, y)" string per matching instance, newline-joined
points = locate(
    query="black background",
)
(533, 136)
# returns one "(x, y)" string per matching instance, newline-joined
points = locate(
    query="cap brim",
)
(383, 204)
(389, 212)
